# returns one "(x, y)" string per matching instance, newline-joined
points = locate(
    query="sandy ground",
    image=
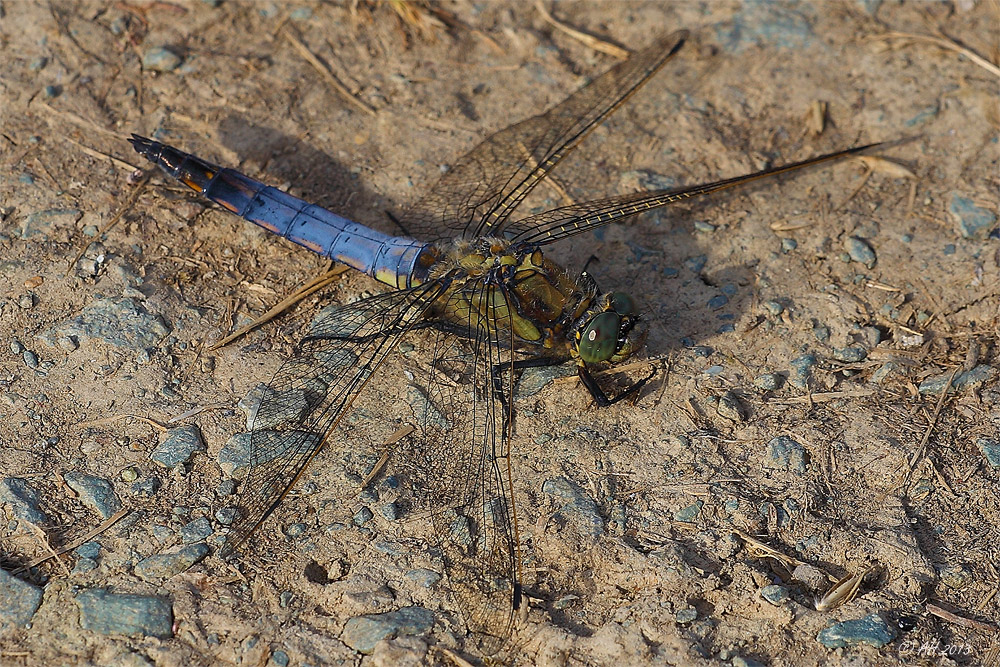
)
(804, 329)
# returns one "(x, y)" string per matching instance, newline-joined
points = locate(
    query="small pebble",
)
(95, 492)
(196, 531)
(774, 308)
(718, 301)
(391, 511)
(990, 447)
(768, 381)
(788, 245)
(361, 633)
(120, 613)
(860, 251)
(161, 59)
(774, 593)
(19, 600)
(705, 227)
(850, 355)
(686, 615)
(971, 379)
(689, 513)
(731, 407)
(783, 453)
(295, 530)
(30, 359)
(974, 222)
(363, 516)
(146, 488)
(801, 371)
(177, 446)
(868, 630)
(169, 563)
(16, 346)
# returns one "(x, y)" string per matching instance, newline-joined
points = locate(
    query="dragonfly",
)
(476, 277)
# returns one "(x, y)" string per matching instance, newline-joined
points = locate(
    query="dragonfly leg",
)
(598, 394)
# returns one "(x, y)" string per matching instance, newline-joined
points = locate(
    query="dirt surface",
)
(804, 330)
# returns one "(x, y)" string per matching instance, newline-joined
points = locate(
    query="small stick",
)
(110, 420)
(959, 620)
(945, 44)
(400, 433)
(326, 73)
(312, 286)
(110, 521)
(589, 40)
(129, 203)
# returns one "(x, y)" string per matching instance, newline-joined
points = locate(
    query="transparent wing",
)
(559, 223)
(313, 390)
(478, 195)
(460, 463)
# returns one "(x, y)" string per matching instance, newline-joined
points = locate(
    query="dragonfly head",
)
(610, 331)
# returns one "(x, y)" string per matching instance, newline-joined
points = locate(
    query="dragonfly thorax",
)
(503, 286)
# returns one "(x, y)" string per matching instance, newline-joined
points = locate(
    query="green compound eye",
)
(600, 337)
(623, 304)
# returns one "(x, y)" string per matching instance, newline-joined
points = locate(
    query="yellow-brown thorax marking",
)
(541, 299)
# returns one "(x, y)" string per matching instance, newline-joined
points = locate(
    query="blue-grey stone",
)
(196, 531)
(178, 445)
(697, 263)
(146, 488)
(759, 22)
(774, 308)
(860, 251)
(821, 332)
(361, 633)
(279, 657)
(783, 453)
(17, 494)
(250, 403)
(40, 223)
(686, 615)
(718, 301)
(990, 448)
(119, 322)
(423, 577)
(801, 371)
(392, 511)
(868, 630)
(774, 593)
(971, 379)
(644, 179)
(294, 530)
(363, 516)
(121, 613)
(84, 565)
(704, 227)
(768, 381)
(689, 513)
(95, 492)
(89, 549)
(169, 563)
(226, 515)
(788, 245)
(19, 600)
(534, 380)
(923, 115)
(740, 661)
(234, 458)
(850, 355)
(885, 371)
(161, 59)
(580, 510)
(974, 222)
